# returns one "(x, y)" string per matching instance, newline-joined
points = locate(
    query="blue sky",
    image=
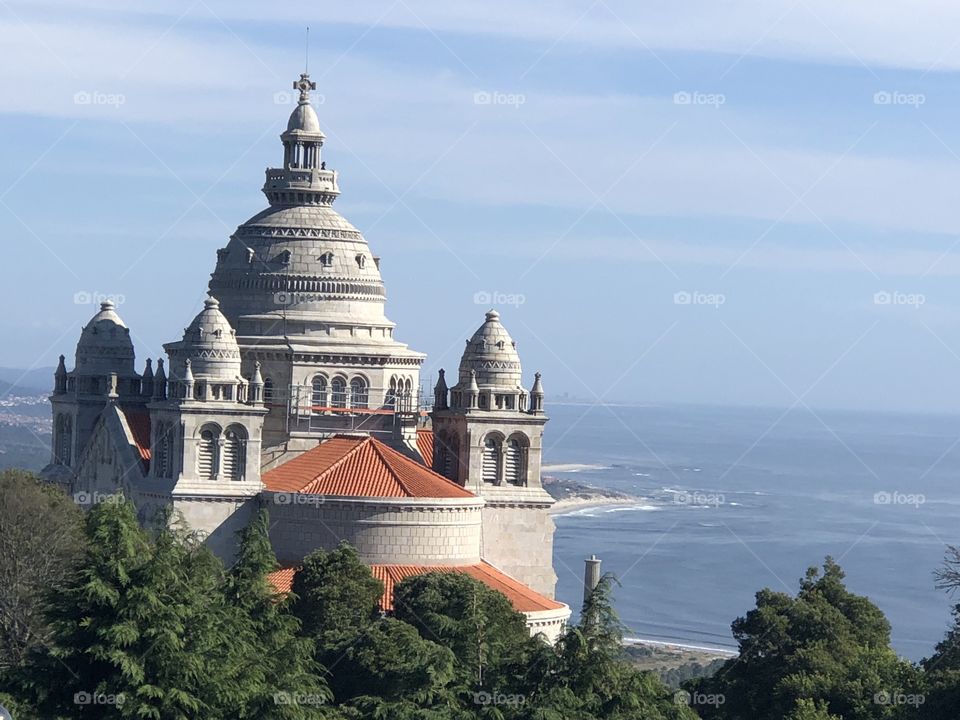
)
(738, 202)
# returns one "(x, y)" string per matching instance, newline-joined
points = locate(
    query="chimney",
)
(591, 576)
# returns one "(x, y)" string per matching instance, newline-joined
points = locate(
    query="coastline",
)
(572, 495)
(582, 503)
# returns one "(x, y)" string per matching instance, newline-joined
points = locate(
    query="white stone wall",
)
(518, 539)
(549, 623)
(220, 519)
(383, 530)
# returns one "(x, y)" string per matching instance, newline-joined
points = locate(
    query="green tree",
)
(387, 670)
(377, 667)
(826, 645)
(335, 594)
(590, 676)
(940, 696)
(143, 630)
(282, 678)
(41, 544)
(487, 636)
(810, 710)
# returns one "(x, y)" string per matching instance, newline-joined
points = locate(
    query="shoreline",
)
(566, 504)
(681, 647)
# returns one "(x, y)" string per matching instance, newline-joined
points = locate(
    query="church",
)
(290, 391)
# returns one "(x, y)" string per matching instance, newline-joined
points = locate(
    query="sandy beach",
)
(571, 468)
(581, 503)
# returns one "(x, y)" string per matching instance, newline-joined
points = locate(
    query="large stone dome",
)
(492, 355)
(105, 345)
(302, 263)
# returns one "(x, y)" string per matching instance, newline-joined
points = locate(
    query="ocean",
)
(733, 500)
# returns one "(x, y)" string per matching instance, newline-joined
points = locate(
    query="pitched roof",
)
(523, 598)
(425, 446)
(139, 423)
(360, 467)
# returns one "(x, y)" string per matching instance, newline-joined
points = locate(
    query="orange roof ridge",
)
(360, 466)
(359, 443)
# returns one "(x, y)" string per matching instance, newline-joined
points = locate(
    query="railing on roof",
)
(374, 410)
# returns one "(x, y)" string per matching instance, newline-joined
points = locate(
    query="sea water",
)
(732, 500)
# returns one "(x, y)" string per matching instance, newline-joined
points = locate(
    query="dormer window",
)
(361, 260)
(284, 257)
(326, 260)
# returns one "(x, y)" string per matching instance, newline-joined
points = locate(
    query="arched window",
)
(491, 460)
(514, 462)
(64, 439)
(234, 453)
(208, 453)
(359, 395)
(268, 390)
(319, 397)
(326, 260)
(338, 395)
(391, 399)
(446, 463)
(164, 451)
(361, 260)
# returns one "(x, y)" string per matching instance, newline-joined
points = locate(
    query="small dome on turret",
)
(492, 355)
(210, 344)
(304, 118)
(105, 345)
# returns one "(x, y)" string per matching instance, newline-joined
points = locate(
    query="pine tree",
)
(283, 678)
(143, 631)
(335, 594)
(591, 678)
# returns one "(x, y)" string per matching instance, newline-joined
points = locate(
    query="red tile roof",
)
(139, 423)
(425, 446)
(360, 467)
(523, 598)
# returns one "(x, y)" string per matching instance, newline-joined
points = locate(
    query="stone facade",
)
(291, 349)
(400, 531)
(488, 437)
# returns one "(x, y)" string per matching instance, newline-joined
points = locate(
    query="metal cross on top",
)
(304, 85)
